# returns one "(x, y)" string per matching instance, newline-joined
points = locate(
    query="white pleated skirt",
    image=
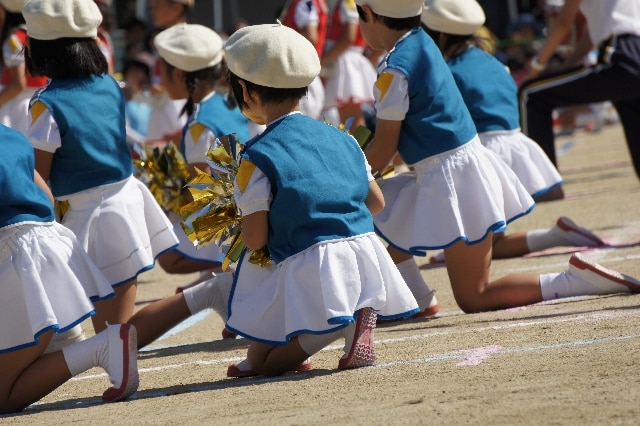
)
(48, 282)
(317, 291)
(352, 82)
(211, 253)
(121, 226)
(525, 157)
(462, 194)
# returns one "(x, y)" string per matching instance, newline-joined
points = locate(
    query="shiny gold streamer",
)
(164, 172)
(212, 216)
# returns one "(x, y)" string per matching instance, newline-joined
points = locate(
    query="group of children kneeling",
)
(305, 190)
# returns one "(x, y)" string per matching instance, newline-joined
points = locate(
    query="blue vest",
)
(488, 90)
(216, 116)
(90, 114)
(21, 200)
(318, 181)
(437, 120)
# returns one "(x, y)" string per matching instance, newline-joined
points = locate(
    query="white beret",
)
(395, 8)
(13, 6)
(185, 2)
(458, 17)
(272, 55)
(189, 47)
(54, 19)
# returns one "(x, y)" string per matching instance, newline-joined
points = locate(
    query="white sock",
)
(82, 356)
(411, 275)
(244, 365)
(314, 343)
(213, 294)
(60, 340)
(542, 239)
(566, 284)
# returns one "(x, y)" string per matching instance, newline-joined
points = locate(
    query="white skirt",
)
(186, 248)
(525, 157)
(352, 82)
(317, 291)
(48, 282)
(462, 194)
(121, 226)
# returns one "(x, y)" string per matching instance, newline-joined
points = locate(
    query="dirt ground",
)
(571, 361)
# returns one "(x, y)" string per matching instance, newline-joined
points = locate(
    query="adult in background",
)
(613, 26)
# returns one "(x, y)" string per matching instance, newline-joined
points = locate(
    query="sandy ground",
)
(572, 361)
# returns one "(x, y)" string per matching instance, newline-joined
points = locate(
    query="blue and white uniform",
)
(211, 118)
(490, 94)
(48, 281)
(115, 217)
(459, 190)
(327, 262)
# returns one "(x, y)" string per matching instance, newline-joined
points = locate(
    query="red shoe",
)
(362, 352)
(234, 371)
(595, 274)
(432, 306)
(122, 363)
(577, 235)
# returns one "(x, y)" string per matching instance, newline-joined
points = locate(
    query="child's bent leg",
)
(116, 310)
(469, 266)
(269, 360)
(28, 375)
(410, 272)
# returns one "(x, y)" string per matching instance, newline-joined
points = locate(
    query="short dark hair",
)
(65, 58)
(396, 24)
(268, 95)
(206, 76)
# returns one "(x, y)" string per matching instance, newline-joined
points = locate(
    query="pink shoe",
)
(234, 371)
(122, 365)
(595, 274)
(577, 235)
(362, 352)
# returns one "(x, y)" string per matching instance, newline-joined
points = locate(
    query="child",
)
(460, 193)
(348, 85)
(191, 64)
(78, 132)
(494, 110)
(47, 283)
(310, 19)
(17, 84)
(305, 193)
(165, 123)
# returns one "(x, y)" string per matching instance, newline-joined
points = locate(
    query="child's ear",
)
(246, 96)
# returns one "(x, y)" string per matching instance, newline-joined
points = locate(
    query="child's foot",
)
(122, 362)
(605, 279)
(428, 305)
(227, 334)
(362, 352)
(437, 258)
(242, 368)
(576, 235)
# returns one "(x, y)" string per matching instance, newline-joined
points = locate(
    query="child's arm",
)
(43, 185)
(252, 192)
(384, 145)
(255, 229)
(43, 163)
(375, 199)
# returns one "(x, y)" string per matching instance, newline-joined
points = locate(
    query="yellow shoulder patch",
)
(14, 44)
(383, 83)
(350, 4)
(196, 131)
(36, 111)
(243, 176)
